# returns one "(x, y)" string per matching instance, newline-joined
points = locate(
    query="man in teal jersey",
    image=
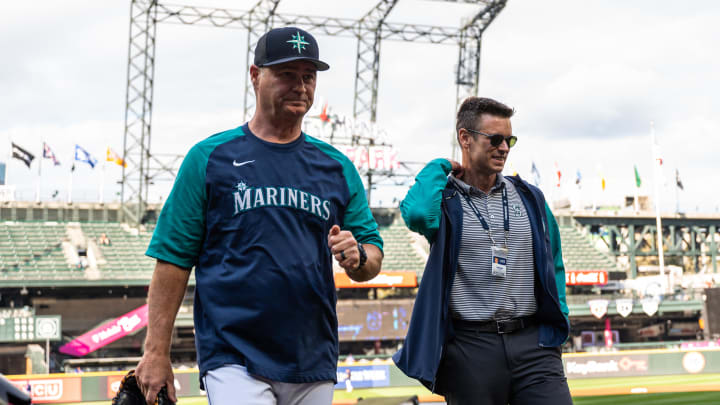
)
(259, 211)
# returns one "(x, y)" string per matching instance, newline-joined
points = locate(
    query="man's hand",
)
(344, 247)
(167, 290)
(457, 169)
(152, 373)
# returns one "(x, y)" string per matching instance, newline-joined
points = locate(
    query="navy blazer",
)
(430, 325)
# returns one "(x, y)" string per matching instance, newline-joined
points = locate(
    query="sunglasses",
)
(497, 139)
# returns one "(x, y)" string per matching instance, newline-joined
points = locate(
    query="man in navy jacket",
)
(490, 315)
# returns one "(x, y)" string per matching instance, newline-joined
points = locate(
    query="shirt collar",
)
(468, 189)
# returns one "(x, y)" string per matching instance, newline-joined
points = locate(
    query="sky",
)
(586, 79)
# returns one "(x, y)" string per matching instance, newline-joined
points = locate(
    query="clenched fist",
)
(344, 247)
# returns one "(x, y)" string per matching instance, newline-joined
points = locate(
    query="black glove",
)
(129, 393)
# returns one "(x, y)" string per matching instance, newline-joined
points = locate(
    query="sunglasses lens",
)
(496, 140)
(512, 140)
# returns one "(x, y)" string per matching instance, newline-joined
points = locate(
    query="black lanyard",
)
(506, 213)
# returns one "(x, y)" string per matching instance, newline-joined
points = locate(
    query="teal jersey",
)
(253, 217)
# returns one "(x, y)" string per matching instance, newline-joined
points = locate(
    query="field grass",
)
(649, 384)
(381, 392)
(674, 398)
(677, 398)
(703, 389)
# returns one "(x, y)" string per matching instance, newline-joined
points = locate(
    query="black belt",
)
(499, 327)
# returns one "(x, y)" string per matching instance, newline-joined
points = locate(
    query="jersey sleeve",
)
(180, 229)
(420, 208)
(556, 246)
(358, 217)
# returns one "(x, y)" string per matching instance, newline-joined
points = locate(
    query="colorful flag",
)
(22, 154)
(49, 154)
(559, 173)
(678, 183)
(657, 155)
(111, 156)
(638, 180)
(601, 174)
(81, 155)
(324, 117)
(536, 175)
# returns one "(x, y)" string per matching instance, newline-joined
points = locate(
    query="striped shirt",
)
(476, 294)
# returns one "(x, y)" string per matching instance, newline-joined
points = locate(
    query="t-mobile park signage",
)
(586, 277)
(372, 157)
(107, 333)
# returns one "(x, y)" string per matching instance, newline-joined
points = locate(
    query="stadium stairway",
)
(579, 253)
(403, 251)
(46, 253)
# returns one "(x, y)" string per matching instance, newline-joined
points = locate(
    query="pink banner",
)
(107, 333)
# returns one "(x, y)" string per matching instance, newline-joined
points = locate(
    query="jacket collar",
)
(470, 190)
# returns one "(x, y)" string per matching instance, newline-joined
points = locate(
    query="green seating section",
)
(580, 254)
(125, 256)
(33, 251)
(400, 255)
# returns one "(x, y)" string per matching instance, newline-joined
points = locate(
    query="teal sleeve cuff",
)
(420, 208)
(170, 258)
(444, 163)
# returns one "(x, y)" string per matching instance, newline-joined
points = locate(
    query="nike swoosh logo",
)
(236, 164)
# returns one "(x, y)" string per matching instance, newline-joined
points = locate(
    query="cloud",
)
(606, 101)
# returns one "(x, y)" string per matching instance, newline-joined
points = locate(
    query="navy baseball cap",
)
(287, 44)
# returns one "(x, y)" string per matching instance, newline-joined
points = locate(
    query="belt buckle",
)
(501, 330)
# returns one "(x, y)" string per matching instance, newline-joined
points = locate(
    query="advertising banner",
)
(364, 376)
(384, 279)
(606, 366)
(107, 333)
(52, 390)
(186, 384)
(586, 277)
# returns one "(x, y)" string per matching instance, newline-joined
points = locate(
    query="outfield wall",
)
(633, 363)
(101, 386)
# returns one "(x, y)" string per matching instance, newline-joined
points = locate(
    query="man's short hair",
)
(473, 107)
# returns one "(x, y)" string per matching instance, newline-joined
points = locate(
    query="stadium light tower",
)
(143, 167)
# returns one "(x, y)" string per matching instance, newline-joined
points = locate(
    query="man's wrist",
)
(362, 257)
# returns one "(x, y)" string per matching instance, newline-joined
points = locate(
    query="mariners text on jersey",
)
(246, 198)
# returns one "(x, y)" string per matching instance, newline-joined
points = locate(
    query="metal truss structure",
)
(685, 239)
(370, 30)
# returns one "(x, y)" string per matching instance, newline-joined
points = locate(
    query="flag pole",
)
(70, 181)
(70, 185)
(7, 166)
(677, 192)
(658, 221)
(102, 182)
(635, 199)
(39, 181)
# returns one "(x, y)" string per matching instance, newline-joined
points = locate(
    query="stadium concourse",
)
(77, 262)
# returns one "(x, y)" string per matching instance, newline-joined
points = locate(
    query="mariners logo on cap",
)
(298, 42)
